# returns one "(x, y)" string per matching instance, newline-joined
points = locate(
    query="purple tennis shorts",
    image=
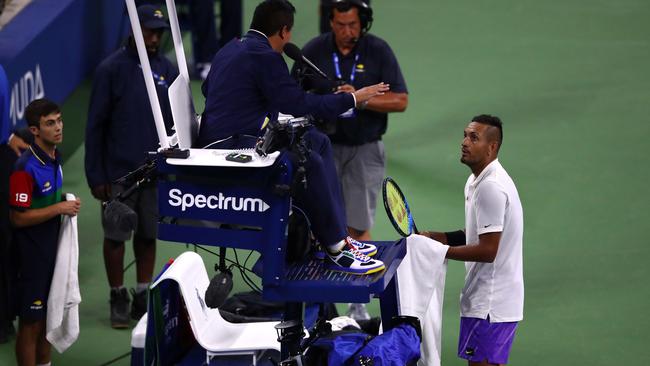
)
(480, 340)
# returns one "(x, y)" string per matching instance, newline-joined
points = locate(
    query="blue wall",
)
(52, 45)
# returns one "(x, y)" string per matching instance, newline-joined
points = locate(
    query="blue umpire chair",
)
(207, 198)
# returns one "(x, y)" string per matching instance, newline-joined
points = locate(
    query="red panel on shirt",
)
(21, 185)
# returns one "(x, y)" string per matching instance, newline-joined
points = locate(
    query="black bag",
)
(251, 305)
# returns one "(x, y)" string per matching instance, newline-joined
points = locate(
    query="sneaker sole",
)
(361, 272)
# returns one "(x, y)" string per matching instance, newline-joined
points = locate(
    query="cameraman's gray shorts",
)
(361, 170)
(144, 201)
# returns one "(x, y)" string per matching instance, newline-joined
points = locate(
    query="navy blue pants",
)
(322, 200)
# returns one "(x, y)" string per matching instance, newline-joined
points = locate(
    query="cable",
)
(250, 253)
(242, 269)
(128, 266)
(247, 258)
(245, 277)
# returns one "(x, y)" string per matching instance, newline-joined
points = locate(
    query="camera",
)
(283, 134)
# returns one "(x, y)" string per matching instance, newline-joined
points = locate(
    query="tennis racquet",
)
(397, 208)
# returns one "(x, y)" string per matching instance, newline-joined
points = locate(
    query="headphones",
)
(365, 12)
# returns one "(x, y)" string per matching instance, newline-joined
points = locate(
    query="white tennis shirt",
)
(496, 289)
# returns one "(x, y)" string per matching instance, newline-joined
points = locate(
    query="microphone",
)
(218, 290)
(294, 53)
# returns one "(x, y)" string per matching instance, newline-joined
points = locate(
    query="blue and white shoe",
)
(364, 248)
(349, 259)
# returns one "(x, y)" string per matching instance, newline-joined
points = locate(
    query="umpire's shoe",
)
(139, 304)
(350, 260)
(363, 248)
(119, 308)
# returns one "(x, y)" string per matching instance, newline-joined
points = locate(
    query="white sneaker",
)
(364, 248)
(349, 259)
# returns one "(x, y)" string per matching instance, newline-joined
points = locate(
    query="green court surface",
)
(570, 80)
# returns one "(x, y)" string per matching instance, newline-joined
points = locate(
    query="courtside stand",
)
(206, 199)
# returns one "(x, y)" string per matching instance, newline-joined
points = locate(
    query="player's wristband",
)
(455, 238)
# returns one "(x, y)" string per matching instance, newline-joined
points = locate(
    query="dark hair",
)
(365, 11)
(271, 15)
(493, 121)
(39, 108)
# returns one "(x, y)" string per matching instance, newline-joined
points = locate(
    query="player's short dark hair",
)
(493, 121)
(39, 108)
(271, 15)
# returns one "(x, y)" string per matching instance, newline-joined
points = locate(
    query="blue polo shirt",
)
(371, 61)
(249, 81)
(36, 183)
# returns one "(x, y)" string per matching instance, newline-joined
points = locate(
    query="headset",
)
(365, 12)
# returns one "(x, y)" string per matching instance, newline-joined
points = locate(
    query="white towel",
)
(62, 327)
(421, 289)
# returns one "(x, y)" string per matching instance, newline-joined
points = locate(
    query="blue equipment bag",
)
(336, 348)
(398, 346)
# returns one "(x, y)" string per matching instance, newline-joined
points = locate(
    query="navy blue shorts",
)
(481, 340)
(33, 287)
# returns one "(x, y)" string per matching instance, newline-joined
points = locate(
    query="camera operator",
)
(357, 59)
(248, 82)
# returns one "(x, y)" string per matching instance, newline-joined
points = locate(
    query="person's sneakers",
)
(349, 259)
(119, 308)
(139, 305)
(364, 248)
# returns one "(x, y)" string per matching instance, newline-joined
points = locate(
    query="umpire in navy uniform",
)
(357, 59)
(249, 81)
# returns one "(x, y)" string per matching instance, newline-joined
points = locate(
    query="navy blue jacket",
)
(120, 128)
(373, 61)
(248, 80)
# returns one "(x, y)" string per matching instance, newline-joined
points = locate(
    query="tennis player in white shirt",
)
(492, 300)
